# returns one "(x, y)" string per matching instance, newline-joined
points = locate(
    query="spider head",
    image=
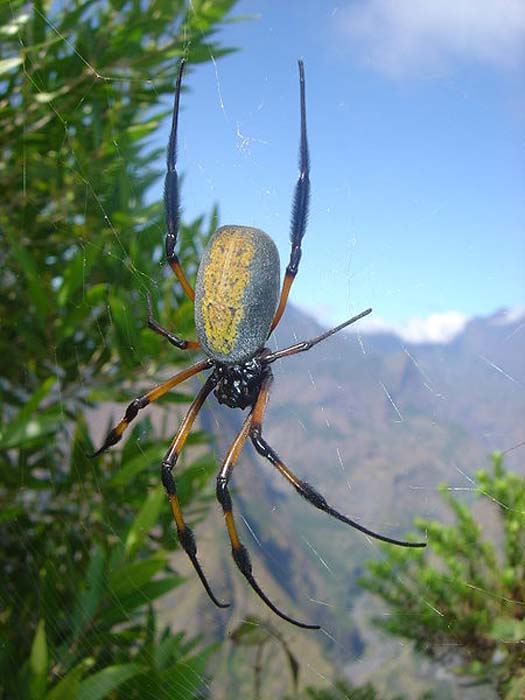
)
(238, 385)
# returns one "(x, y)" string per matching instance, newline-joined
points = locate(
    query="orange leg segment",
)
(142, 401)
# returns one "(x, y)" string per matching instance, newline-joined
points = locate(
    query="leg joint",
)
(223, 495)
(242, 559)
(256, 432)
(187, 541)
(135, 406)
(263, 448)
(312, 495)
(167, 478)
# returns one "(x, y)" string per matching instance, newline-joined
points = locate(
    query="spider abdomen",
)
(236, 293)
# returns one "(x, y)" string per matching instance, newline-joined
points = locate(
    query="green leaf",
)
(120, 610)
(67, 688)
(39, 663)
(7, 64)
(147, 517)
(100, 684)
(144, 460)
(167, 650)
(75, 273)
(251, 632)
(516, 689)
(186, 679)
(508, 630)
(28, 426)
(132, 577)
(89, 598)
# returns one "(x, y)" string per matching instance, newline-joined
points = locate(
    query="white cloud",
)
(406, 36)
(436, 328)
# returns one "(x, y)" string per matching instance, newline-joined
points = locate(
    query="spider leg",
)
(140, 402)
(302, 487)
(299, 208)
(171, 193)
(186, 538)
(239, 552)
(170, 337)
(308, 344)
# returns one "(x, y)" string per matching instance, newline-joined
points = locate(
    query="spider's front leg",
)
(171, 194)
(300, 206)
(115, 434)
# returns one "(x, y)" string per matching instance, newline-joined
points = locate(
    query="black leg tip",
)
(111, 440)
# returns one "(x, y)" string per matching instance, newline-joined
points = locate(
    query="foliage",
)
(341, 690)
(266, 641)
(261, 635)
(464, 604)
(86, 543)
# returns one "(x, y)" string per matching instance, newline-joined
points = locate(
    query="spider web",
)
(338, 416)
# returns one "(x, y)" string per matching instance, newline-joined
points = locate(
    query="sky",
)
(415, 117)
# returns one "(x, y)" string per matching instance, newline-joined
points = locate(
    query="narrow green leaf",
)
(90, 596)
(122, 607)
(100, 684)
(146, 518)
(144, 460)
(39, 662)
(251, 632)
(131, 577)
(67, 687)
(9, 63)
(27, 425)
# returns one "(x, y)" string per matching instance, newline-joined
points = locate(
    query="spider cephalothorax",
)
(237, 305)
(238, 385)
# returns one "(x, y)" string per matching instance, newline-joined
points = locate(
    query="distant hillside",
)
(376, 424)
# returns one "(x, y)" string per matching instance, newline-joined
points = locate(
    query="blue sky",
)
(416, 130)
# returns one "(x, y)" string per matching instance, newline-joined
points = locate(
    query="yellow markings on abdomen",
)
(225, 278)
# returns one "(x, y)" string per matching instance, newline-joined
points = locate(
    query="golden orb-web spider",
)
(237, 306)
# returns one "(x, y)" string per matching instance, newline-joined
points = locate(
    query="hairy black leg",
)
(171, 193)
(141, 402)
(311, 495)
(306, 490)
(300, 206)
(171, 337)
(185, 535)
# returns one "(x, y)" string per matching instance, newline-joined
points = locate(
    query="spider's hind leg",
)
(239, 552)
(302, 487)
(185, 535)
(314, 497)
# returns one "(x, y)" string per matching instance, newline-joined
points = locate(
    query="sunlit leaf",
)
(130, 577)
(100, 684)
(7, 64)
(67, 688)
(39, 662)
(146, 518)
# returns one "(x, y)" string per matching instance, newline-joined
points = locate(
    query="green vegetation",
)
(86, 543)
(463, 604)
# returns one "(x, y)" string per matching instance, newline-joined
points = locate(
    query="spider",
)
(237, 306)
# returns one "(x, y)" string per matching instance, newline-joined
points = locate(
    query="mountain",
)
(375, 424)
